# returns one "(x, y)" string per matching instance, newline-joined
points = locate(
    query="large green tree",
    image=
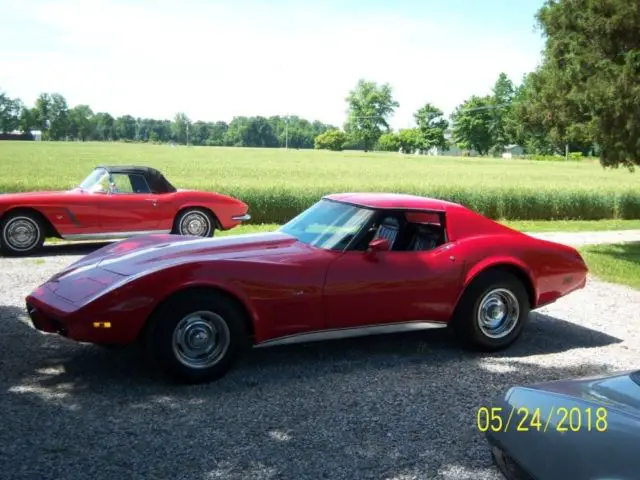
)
(503, 93)
(472, 124)
(431, 125)
(10, 109)
(370, 107)
(590, 74)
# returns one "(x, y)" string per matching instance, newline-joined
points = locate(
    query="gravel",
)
(384, 407)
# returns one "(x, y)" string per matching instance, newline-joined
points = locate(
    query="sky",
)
(214, 60)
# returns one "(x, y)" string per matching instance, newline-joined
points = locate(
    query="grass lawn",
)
(278, 183)
(617, 263)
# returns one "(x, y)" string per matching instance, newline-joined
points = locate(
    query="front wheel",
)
(21, 233)
(195, 222)
(492, 311)
(196, 336)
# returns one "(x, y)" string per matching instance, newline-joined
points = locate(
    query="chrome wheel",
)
(201, 339)
(498, 313)
(196, 224)
(21, 233)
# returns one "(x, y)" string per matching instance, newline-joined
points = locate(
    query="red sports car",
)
(113, 202)
(351, 264)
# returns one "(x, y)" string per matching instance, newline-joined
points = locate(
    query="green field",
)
(618, 263)
(277, 184)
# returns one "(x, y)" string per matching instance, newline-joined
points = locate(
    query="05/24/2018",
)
(524, 419)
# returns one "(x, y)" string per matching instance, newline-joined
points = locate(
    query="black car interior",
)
(402, 234)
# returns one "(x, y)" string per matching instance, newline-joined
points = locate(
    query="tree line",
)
(583, 97)
(52, 116)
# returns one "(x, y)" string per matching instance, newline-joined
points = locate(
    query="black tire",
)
(218, 312)
(21, 234)
(197, 222)
(497, 288)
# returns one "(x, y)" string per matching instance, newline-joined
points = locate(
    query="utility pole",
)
(187, 134)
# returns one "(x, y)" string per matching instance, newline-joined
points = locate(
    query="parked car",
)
(351, 264)
(582, 429)
(113, 202)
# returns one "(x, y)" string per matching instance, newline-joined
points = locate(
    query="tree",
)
(80, 122)
(58, 118)
(331, 140)
(389, 142)
(10, 109)
(472, 124)
(410, 139)
(503, 93)
(179, 128)
(591, 74)
(431, 126)
(126, 127)
(370, 106)
(103, 126)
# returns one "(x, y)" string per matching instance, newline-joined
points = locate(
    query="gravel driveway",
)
(386, 407)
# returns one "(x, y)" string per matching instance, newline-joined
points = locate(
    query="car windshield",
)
(97, 181)
(328, 224)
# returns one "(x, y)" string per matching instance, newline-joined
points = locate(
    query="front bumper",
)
(241, 218)
(79, 324)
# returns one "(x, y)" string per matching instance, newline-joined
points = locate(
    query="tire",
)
(173, 327)
(21, 234)
(493, 291)
(196, 222)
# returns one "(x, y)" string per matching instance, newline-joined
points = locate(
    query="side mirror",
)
(378, 245)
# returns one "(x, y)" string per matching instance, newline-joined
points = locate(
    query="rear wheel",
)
(21, 233)
(492, 311)
(195, 222)
(196, 337)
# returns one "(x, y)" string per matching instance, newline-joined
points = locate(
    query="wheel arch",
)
(216, 221)
(518, 271)
(247, 314)
(50, 229)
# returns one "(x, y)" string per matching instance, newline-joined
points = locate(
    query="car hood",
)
(150, 252)
(619, 391)
(30, 196)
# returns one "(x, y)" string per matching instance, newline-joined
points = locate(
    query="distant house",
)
(511, 151)
(18, 135)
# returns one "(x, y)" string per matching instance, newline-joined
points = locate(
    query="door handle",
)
(153, 201)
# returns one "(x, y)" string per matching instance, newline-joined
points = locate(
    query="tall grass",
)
(278, 184)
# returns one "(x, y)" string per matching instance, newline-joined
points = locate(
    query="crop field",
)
(278, 184)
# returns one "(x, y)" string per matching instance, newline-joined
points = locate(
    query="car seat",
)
(389, 228)
(425, 238)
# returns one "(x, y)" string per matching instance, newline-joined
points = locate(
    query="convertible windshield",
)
(327, 224)
(97, 181)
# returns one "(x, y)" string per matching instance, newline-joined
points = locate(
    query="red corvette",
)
(113, 202)
(351, 264)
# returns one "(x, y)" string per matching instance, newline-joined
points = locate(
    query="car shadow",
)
(390, 405)
(85, 363)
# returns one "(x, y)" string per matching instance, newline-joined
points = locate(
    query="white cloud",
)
(213, 61)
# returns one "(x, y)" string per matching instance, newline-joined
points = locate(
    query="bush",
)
(331, 140)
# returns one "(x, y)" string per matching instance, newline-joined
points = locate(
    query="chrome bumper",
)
(241, 218)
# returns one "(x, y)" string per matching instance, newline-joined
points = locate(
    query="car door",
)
(129, 206)
(392, 286)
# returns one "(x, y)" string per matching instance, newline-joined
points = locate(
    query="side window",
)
(129, 183)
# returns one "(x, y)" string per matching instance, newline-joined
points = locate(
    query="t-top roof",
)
(393, 200)
(130, 169)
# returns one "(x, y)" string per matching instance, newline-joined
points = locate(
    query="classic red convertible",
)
(351, 264)
(113, 202)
